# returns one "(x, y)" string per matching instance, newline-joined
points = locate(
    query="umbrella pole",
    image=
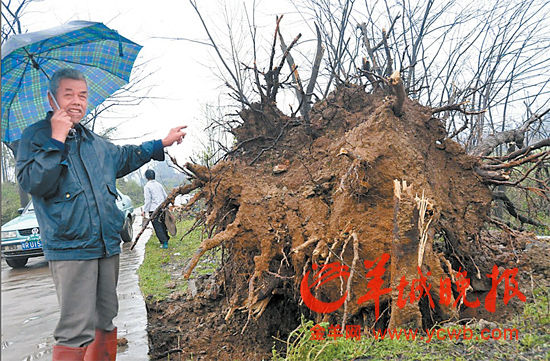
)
(31, 56)
(34, 63)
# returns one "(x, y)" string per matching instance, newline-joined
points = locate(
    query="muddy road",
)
(30, 310)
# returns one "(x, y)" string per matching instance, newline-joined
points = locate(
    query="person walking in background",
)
(154, 195)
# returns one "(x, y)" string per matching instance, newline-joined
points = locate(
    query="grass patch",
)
(160, 274)
(533, 343)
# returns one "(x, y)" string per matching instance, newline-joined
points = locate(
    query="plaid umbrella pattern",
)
(28, 60)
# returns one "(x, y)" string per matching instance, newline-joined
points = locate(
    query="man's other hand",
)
(61, 124)
(175, 135)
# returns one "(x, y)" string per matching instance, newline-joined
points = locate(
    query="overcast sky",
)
(184, 73)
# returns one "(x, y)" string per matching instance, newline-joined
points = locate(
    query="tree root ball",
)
(336, 181)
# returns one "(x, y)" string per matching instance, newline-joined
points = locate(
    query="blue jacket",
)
(73, 187)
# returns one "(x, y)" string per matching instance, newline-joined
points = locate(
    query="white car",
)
(21, 236)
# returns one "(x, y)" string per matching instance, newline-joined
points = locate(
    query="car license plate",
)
(31, 244)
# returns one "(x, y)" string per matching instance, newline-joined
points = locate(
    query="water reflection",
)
(30, 310)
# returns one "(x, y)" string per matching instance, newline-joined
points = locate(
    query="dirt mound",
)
(194, 327)
(355, 184)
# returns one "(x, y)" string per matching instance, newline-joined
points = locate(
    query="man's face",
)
(72, 96)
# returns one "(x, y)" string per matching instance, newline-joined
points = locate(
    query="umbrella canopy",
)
(28, 60)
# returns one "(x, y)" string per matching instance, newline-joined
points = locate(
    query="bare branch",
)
(527, 150)
(457, 107)
(511, 208)
(517, 135)
(222, 59)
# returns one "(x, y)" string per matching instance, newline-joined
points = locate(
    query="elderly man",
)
(70, 173)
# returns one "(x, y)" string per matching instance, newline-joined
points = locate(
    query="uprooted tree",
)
(363, 172)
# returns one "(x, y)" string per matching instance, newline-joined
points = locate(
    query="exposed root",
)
(199, 221)
(194, 199)
(351, 274)
(199, 171)
(305, 245)
(229, 233)
(184, 189)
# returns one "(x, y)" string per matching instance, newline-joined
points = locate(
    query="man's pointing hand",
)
(175, 135)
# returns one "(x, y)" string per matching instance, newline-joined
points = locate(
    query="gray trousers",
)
(86, 291)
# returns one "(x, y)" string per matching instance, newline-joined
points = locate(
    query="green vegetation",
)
(10, 201)
(161, 271)
(533, 343)
(132, 189)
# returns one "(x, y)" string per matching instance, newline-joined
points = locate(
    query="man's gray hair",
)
(66, 73)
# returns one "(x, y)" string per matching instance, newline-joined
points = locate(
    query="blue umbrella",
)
(28, 60)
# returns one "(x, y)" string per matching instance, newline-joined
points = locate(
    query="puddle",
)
(30, 310)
